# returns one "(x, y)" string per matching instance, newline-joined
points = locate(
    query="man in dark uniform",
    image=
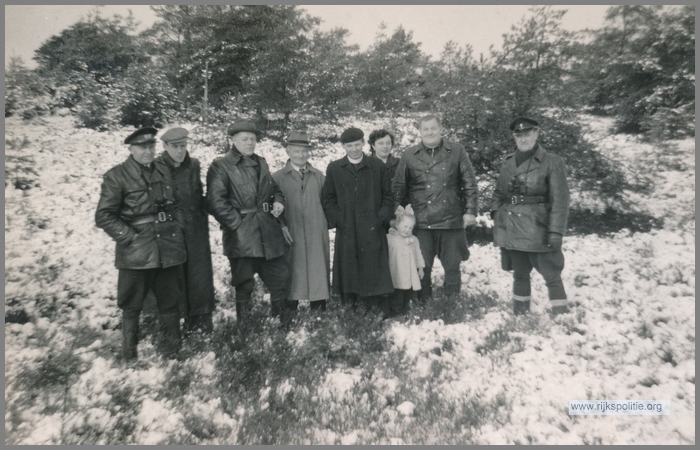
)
(437, 178)
(530, 208)
(138, 210)
(189, 193)
(246, 201)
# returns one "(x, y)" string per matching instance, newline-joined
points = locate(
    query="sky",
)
(28, 26)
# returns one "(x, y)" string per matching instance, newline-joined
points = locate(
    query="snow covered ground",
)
(631, 333)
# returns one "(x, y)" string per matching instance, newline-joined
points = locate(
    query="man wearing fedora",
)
(247, 202)
(138, 210)
(189, 192)
(530, 208)
(307, 228)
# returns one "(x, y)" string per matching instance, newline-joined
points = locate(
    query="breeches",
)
(448, 245)
(274, 273)
(168, 285)
(549, 265)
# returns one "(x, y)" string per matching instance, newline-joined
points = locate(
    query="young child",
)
(405, 260)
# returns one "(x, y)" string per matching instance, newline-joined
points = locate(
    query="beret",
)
(144, 135)
(351, 135)
(523, 123)
(174, 135)
(242, 125)
(298, 138)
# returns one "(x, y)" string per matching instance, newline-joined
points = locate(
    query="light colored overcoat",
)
(309, 254)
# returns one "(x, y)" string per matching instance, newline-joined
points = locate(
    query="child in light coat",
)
(405, 260)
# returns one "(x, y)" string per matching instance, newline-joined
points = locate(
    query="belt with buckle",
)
(526, 200)
(153, 218)
(265, 207)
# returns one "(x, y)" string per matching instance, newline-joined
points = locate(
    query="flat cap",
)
(174, 135)
(298, 138)
(351, 135)
(144, 135)
(242, 125)
(523, 123)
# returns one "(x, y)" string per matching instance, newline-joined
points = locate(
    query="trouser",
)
(168, 286)
(401, 301)
(451, 247)
(548, 264)
(274, 273)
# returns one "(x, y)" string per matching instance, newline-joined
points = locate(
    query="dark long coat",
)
(130, 194)
(358, 204)
(524, 227)
(309, 254)
(234, 186)
(189, 193)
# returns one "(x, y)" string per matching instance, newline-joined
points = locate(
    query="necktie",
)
(302, 171)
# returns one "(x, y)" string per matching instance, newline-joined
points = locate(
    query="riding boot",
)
(452, 290)
(243, 311)
(521, 307)
(130, 336)
(276, 308)
(170, 323)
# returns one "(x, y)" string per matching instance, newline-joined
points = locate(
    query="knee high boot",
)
(521, 305)
(171, 339)
(130, 336)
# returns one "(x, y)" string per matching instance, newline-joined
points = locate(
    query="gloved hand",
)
(554, 240)
(287, 235)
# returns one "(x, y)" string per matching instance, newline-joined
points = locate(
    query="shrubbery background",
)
(274, 62)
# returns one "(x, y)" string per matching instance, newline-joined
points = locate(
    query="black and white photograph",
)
(349, 224)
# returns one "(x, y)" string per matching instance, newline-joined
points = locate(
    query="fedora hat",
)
(298, 138)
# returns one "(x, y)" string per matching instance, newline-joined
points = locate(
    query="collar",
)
(539, 154)
(237, 157)
(298, 169)
(289, 167)
(447, 145)
(171, 162)
(345, 161)
(356, 161)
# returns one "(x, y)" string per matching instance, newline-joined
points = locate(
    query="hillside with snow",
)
(490, 379)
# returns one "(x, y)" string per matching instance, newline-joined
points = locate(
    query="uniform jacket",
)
(440, 189)
(233, 185)
(190, 195)
(524, 227)
(309, 254)
(405, 258)
(358, 204)
(130, 193)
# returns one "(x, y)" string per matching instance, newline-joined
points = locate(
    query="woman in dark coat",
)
(357, 202)
(381, 142)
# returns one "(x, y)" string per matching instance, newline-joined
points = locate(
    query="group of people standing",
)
(391, 217)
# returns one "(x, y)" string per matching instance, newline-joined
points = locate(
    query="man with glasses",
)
(530, 208)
